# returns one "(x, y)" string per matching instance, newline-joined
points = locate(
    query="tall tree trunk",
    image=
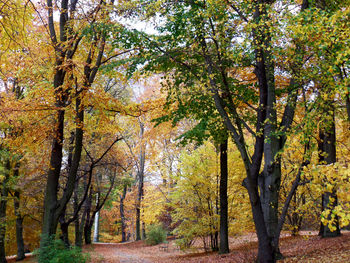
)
(269, 180)
(64, 229)
(79, 229)
(87, 233)
(122, 215)
(347, 102)
(329, 150)
(140, 176)
(3, 204)
(224, 246)
(138, 223)
(53, 208)
(63, 50)
(65, 237)
(87, 228)
(265, 250)
(62, 220)
(50, 220)
(19, 227)
(138, 205)
(50, 201)
(78, 236)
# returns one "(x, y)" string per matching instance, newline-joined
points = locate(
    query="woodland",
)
(197, 121)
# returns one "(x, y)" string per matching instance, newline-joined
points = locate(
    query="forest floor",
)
(308, 247)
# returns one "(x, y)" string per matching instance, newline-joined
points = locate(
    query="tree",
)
(66, 46)
(89, 184)
(204, 58)
(195, 196)
(140, 179)
(329, 76)
(224, 246)
(13, 28)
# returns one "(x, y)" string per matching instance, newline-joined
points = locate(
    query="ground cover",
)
(307, 247)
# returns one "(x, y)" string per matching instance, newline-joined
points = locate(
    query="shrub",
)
(184, 243)
(155, 235)
(56, 252)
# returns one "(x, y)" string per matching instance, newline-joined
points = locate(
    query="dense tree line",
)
(223, 100)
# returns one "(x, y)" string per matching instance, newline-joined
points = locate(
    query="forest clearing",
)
(175, 131)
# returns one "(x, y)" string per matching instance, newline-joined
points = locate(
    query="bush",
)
(56, 252)
(184, 243)
(155, 235)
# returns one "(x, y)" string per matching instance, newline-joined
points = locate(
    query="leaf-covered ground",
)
(305, 248)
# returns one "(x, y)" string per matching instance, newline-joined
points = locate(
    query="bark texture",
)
(19, 227)
(140, 178)
(224, 246)
(122, 214)
(3, 203)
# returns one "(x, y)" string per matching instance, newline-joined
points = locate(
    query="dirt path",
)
(130, 258)
(116, 253)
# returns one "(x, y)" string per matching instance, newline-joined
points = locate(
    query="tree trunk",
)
(78, 234)
(77, 205)
(347, 103)
(87, 233)
(140, 176)
(3, 204)
(224, 246)
(138, 205)
(329, 148)
(65, 237)
(265, 250)
(327, 204)
(79, 229)
(269, 189)
(87, 228)
(63, 50)
(19, 227)
(122, 215)
(50, 220)
(62, 220)
(53, 208)
(214, 244)
(138, 225)
(269, 180)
